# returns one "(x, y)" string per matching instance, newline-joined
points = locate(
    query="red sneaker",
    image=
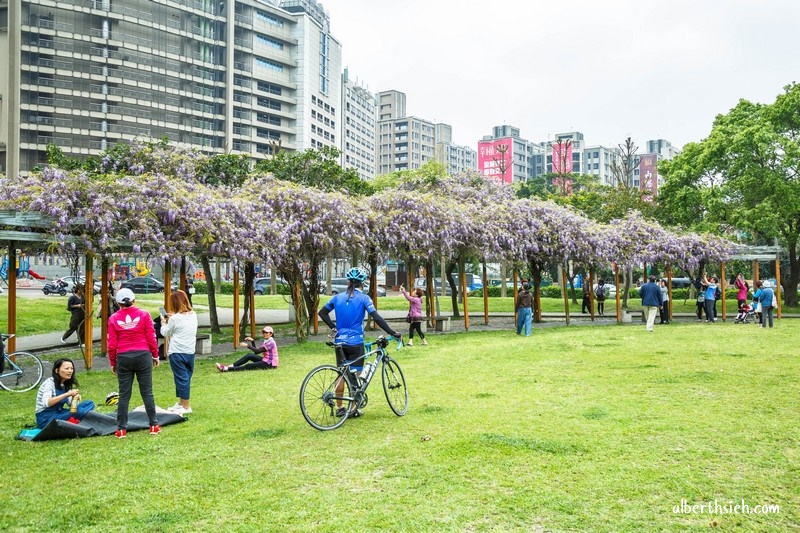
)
(155, 430)
(121, 433)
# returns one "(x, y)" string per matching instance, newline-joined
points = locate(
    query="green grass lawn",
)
(573, 429)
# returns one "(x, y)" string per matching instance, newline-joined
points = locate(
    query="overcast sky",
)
(608, 68)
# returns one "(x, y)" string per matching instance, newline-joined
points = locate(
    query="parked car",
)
(680, 283)
(340, 285)
(263, 285)
(146, 285)
(473, 284)
(71, 280)
(611, 290)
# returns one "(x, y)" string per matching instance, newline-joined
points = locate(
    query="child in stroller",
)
(746, 312)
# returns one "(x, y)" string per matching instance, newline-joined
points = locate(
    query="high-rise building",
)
(404, 142)
(455, 158)
(358, 128)
(598, 161)
(228, 77)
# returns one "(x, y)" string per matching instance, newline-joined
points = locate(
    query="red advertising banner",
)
(496, 159)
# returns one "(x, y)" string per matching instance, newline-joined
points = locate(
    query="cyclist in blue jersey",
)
(348, 332)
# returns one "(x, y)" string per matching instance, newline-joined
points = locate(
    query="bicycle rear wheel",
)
(24, 374)
(394, 385)
(326, 398)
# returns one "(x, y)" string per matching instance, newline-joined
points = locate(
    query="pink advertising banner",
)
(562, 158)
(648, 174)
(495, 159)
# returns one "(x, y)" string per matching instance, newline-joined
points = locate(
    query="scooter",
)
(57, 286)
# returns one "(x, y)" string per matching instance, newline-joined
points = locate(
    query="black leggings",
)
(415, 326)
(256, 362)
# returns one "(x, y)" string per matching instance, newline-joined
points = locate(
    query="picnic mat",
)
(95, 424)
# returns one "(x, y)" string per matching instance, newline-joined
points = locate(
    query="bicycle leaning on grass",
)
(19, 371)
(330, 394)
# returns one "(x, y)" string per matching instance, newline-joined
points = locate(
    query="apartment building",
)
(404, 142)
(456, 159)
(505, 155)
(358, 128)
(241, 76)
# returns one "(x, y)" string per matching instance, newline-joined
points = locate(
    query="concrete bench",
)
(202, 345)
(442, 323)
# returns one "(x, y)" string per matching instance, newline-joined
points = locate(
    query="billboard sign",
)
(648, 174)
(496, 159)
(562, 158)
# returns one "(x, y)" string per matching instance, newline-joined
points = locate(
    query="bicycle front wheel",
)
(24, 374)
(326, 398)
(394, 385)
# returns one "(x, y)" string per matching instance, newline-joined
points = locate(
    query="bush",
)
(226, 287)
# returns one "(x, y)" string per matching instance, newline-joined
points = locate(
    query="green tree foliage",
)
(224, 169)
(744, 177)
(317, 168)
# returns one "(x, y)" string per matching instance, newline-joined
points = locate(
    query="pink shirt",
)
(742, 294)
(131, 329)
(414, 305)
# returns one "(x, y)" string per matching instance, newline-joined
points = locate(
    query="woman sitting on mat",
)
(254, 361)
(56, 394)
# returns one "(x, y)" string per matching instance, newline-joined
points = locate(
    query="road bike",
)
(330, 394)
(19, 371)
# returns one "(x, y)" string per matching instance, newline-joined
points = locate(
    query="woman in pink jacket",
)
(741, 285)
(132, 351)
(414, 315)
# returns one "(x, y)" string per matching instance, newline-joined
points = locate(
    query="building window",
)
(269, 19)
(269, 65)
(269, 41)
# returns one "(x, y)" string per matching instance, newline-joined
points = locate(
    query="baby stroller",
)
(746, 312)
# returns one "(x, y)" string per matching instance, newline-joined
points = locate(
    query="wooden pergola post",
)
(235, 307)
(88, 297)
(12, 295)
(466, 298)
(514, 277)
(485, 295)
(616, 284)
(566, 296)
(755, 273)
(669, 293)
(104, 308)
(778, 284)
(591, 293)
(722, 287)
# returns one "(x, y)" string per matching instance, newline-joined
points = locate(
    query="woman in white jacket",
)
(180, 327)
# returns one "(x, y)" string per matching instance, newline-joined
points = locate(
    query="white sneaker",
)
(410, 343)
(179, 410)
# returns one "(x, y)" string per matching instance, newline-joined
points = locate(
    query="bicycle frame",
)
(323, 400)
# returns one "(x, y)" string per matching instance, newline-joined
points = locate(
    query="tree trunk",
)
(503, 275)
(790, 284)
(291, 273)
(212, 295)
(451, 266)
(249, 276)
(536, 274)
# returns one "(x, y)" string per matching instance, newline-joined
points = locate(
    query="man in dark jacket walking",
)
(651, 300)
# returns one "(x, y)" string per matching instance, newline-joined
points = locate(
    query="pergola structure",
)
(32, 228)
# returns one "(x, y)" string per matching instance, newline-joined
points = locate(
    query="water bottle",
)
(369, 368)
(73, 405)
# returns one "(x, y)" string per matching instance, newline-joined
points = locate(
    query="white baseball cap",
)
(125, 294)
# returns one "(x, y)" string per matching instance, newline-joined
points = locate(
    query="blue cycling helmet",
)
(357, 274)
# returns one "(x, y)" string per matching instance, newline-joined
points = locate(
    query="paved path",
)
(50, 345)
